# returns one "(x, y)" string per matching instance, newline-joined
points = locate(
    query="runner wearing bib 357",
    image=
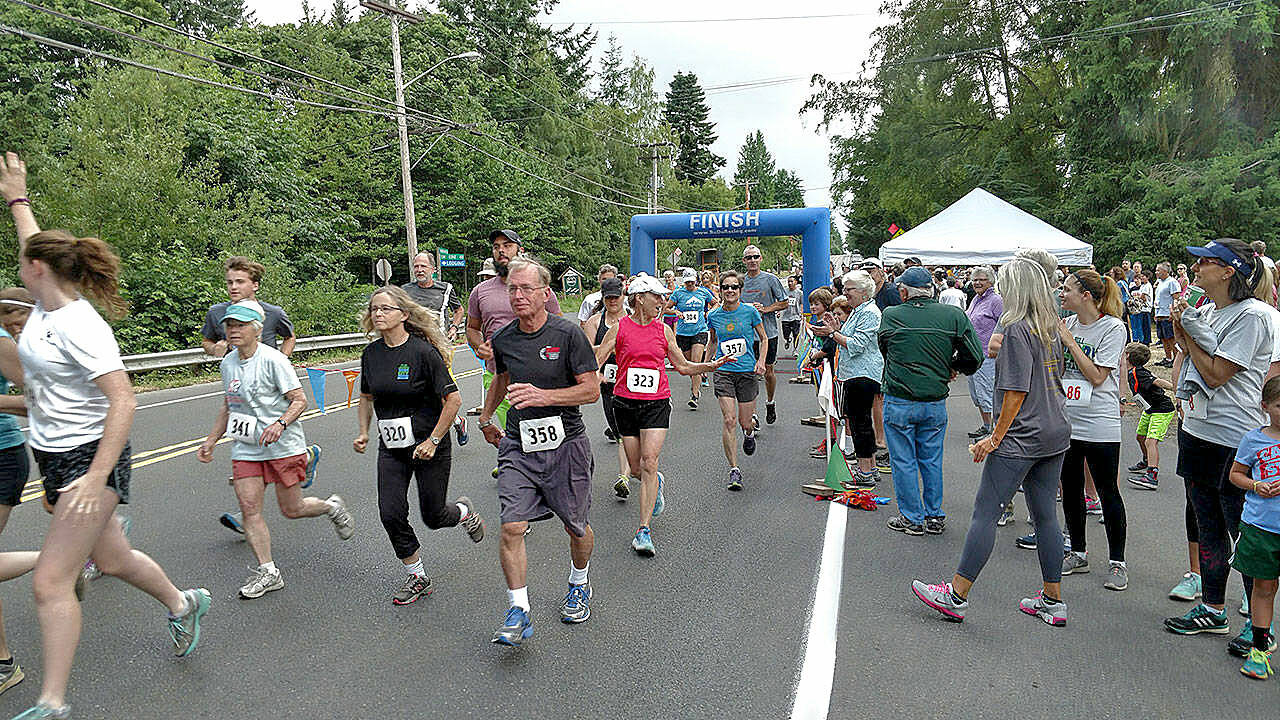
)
(735, 328)
(643, 397)
(691, 304)
(261, 404)
(546, 369)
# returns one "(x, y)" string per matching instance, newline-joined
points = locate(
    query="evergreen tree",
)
(687, 113)
(339, 16)
(613, 76)
(756, 168)
(204, 17)
(788, 189)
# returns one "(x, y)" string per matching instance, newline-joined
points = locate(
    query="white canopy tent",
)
(982, 229)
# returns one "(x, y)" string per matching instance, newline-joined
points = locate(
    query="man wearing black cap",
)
(924, 344)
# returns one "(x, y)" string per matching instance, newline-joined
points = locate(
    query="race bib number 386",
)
(541, 434)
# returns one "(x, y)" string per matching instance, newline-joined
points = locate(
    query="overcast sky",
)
(722, 53)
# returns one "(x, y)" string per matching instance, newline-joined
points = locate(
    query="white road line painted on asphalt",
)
(817, 673)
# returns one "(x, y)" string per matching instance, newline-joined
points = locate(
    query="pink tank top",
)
(642, 352)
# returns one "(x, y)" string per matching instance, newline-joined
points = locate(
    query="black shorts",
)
(743, 387)
(636, 415)
(606, 400)
(1164, 328)
(62, 468)
(15, 467)
(772, 357)
(686, 342)
(790, 328)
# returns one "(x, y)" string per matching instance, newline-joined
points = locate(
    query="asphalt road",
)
(713, 627)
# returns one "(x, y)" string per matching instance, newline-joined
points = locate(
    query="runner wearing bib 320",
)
(643, 404)
(735, 328)
(545, 368)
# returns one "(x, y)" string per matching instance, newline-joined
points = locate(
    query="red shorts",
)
(288, 471)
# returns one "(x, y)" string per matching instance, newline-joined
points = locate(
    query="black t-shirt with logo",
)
(409, 380)
(550, 358)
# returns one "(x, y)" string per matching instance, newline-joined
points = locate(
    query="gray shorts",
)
(982, 385)
(744, 387)
(532, 485)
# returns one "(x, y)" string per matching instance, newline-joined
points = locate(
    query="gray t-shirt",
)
(1166, 289)
(1244, 338)
(276, 325)
(551, 357)
(794, 304)
(1024, 364)
(1098, 419)
(433, 298)
(765, 289)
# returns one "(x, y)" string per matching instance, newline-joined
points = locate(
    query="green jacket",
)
(923, 341)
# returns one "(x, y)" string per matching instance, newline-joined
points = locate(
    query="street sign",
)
(452, 260)
(382, 270)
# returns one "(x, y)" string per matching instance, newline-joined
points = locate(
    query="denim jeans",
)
(914, 432)
(1141, 324)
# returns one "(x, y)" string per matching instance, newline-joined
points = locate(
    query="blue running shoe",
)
(313, 459)
(1199, 619)
(660, 502)
(231, 521)
(643, 543)
(460, 427)
(576, 607)
(516, 628)
(184, 630)
(1257, 666)
(44, 712)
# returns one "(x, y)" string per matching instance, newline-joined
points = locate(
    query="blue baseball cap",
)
(245, 311)
(1218, 251)
(916, 276)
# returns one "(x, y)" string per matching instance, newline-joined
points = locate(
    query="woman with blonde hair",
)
(1026, 448)
(1094, 339)
(405, 380)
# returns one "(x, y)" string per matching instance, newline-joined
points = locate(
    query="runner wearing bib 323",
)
(735, 328)
(643, 398)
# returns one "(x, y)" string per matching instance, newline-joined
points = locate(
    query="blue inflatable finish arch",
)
(813, 225)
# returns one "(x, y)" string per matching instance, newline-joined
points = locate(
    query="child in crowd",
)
(1257, 470)
(1157, 415)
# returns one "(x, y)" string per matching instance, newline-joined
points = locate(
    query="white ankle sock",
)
(464, 510)
(519, 598)
(416, 569)
(268, 566)
(576, 576)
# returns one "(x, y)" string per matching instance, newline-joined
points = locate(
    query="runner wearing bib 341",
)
(643, 403)
(261, 404)
(735, 328)
(545, 367)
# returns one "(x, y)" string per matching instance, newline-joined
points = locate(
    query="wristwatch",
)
(283, 424)
(434, 440)
(484, 423)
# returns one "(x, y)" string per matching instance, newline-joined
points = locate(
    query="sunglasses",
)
(750, 257)
(730, 287)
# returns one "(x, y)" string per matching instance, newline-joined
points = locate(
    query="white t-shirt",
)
(256, 388)
(590, 304)
(1274, 316)
(953, 296)
(1244, 338)
(1145, 290)
(1103, 341)
(62, 353)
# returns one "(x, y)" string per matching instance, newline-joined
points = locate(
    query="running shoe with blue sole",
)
(460, 427)
(576, 607)
(659, 503)
(185, 629)
(642, 543)
(516, 628)
(1257, 666)
(44, 712)
(313, 459)
(231, 521)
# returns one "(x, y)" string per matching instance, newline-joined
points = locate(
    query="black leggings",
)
(395, 468)
(1217, 504)
(1104, 463)
(859, 394)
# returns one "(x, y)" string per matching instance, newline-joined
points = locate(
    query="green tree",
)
(687, 114)
(756, 169)
(788, 189)
(613, 75)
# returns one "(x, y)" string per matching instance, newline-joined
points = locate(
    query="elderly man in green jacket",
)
(924, 343)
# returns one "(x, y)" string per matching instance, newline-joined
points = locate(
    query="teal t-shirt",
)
(687, 303)
(731, 327)
(10, 433)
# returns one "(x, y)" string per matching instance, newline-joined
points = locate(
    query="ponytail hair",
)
(1105, 292)
(89, 263)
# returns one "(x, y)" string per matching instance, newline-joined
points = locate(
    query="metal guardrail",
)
(197, 356)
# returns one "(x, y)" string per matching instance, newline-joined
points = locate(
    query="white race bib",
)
(642, 381)
(733, 346)
(609, 373)
(690, 317)
(1078, 392)
(1142, 402)
(1198, 406)
(541, 434)
(242, 428)
(396, 432)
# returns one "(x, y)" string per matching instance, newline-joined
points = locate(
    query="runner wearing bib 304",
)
(692, 303)
(612, 310)
(735, 329)
(404, 378)
(546, 369)
(262, 400)
(80, 407)
(643, 405)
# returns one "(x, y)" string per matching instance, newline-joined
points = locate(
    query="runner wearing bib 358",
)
(546, 368)
(404, 378)
(643, 403)
(691, 304)
(735, 328)
(260, 408)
